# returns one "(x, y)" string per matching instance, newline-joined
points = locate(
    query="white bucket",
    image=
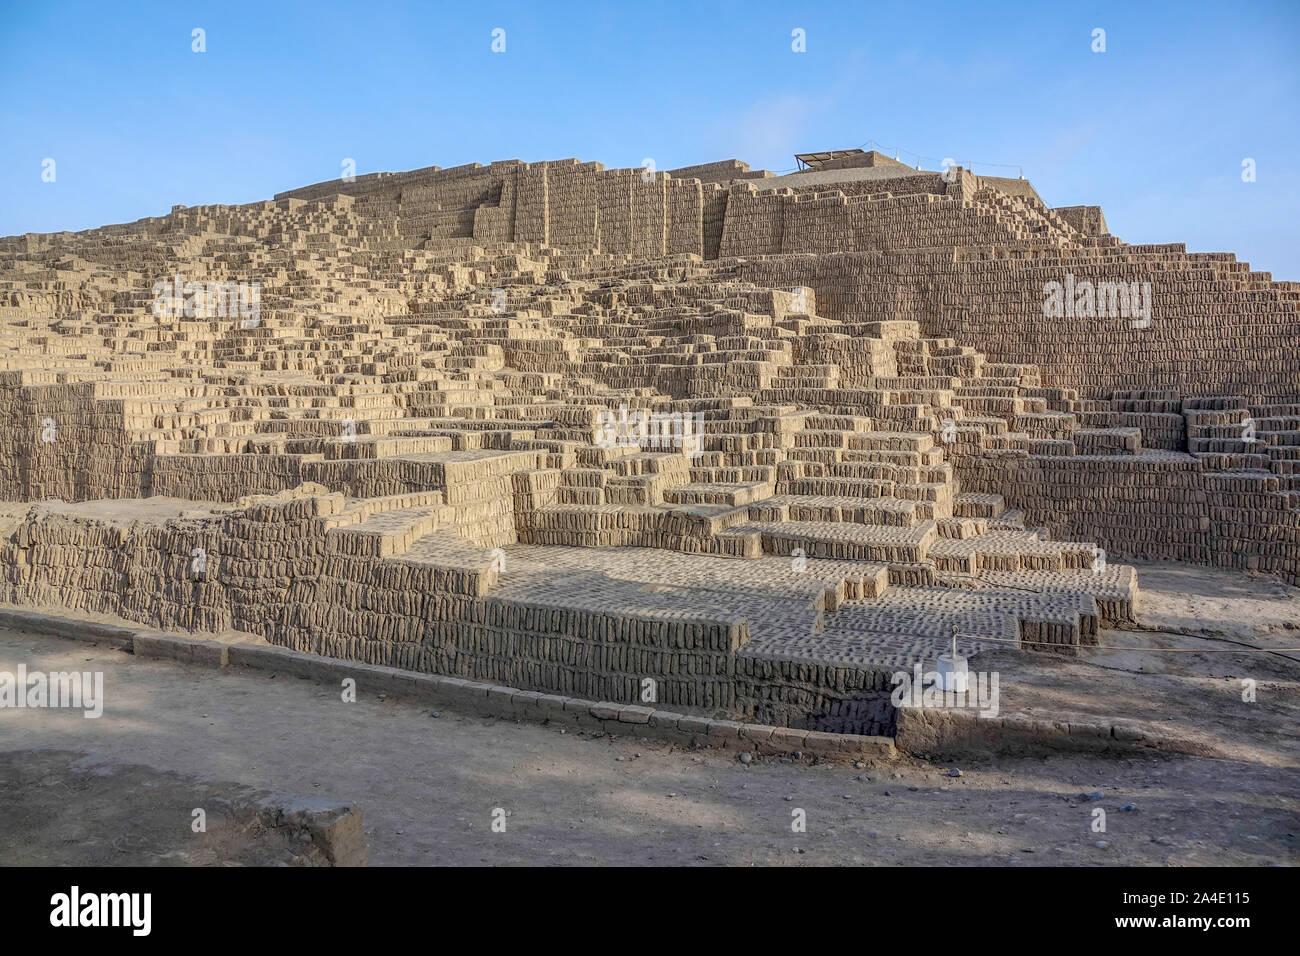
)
(954, 674)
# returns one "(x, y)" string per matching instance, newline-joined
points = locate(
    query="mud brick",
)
(560, 434)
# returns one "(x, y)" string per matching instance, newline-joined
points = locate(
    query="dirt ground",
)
(101, 805)
(429, 783)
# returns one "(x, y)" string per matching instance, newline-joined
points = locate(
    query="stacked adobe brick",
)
(891, 441)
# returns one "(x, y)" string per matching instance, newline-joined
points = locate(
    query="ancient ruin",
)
(751, 441)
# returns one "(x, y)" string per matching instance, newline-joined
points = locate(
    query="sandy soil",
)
(1188, 678)
(429, 783)
(66, 809)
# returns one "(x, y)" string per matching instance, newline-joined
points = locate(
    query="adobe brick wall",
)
(1167, 510)
(1211, 333)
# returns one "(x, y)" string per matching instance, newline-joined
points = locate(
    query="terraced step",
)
(388, 533)
(914, 625)
(1214, 402)
(845, 487)
(1107, 441)
(470, 569)
(963, 527)
(1232, 461)
(739, 493)
(732, 476)
(837, 509)
(844, 541)
(889, 471)
(1009, 551)
(1012, 519)
(1051, 425)
(1113, 586)
(1289, 437)
(973, 505)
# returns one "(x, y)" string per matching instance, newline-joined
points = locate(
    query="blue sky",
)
(1154, 129)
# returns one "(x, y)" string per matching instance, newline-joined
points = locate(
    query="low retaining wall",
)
(491, 700)
(937, 733)
(921, 731)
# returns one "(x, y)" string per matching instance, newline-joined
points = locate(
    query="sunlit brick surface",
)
(398, 450)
